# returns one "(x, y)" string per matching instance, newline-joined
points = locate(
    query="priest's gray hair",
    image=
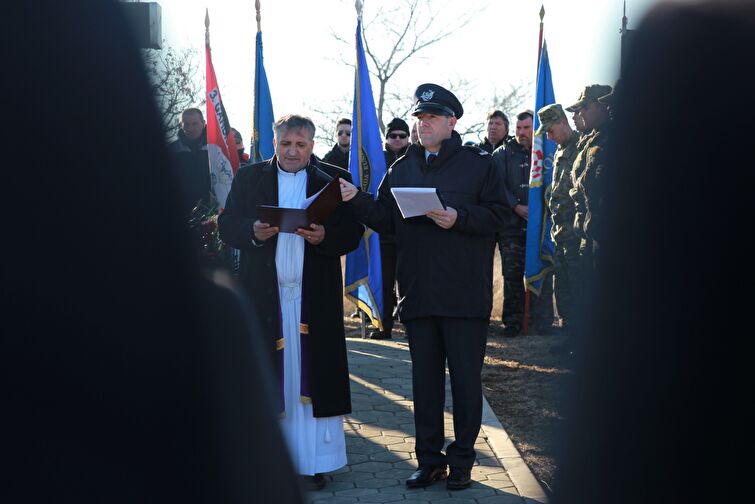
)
(294, 122)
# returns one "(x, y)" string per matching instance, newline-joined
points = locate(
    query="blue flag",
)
(538, 259)
(262, 124)
(364, 278)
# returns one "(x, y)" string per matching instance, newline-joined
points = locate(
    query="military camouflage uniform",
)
(561, 205)
(587, 193)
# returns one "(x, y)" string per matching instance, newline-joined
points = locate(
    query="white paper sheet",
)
(414, 201)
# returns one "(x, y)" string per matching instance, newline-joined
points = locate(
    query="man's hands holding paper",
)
(443, 218)
(314, 236)
(263, 231)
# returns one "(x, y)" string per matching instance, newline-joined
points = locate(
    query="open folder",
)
(415, 201)
(316, 209)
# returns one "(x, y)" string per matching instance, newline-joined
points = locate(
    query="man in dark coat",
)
(445, 277)
(339, 154)
(497, 125)
(513, 161)
(396, 143)
(192, 161)
(295, 285)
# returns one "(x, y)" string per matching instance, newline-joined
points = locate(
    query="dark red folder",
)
(319, 208)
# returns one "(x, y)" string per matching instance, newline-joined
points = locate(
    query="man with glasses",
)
(396, 143)
(339, 154)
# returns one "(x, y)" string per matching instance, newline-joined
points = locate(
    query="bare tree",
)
(325, 117)
(397, 35)
(173, 75)
(509, 102)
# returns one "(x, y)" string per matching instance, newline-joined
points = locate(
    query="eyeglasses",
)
(344, 132)
(394, 136)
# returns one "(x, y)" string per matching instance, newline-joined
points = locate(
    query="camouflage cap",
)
(549, 115)
(608, 98)
(590, 94)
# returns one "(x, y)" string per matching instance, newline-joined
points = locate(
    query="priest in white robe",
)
(295, 285)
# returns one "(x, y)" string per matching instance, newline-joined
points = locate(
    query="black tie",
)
(430, 159)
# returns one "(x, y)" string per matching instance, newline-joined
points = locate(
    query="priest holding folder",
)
(445, 276)
(294, 282)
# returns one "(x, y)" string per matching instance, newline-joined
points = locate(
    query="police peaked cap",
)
(433, 99)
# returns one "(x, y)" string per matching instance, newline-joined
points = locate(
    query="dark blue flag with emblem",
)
(364, 281)
(538, 260)
(262, 124)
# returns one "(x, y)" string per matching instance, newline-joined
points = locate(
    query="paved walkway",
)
(380, 441)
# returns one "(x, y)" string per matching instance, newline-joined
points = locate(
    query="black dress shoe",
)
(380, 335)
(459, 478)
(425, 476)
(314, 483)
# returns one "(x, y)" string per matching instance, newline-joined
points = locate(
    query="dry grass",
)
(523, 383)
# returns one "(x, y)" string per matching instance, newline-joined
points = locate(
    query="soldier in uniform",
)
(445, 277)
(554, 123)
(595, 118)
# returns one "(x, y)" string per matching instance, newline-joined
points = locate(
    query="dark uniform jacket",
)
(513, 163)
(193, 170)
(337, 157)
(322, 287)
(442, 272)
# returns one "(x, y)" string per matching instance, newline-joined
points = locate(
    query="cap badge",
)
(427, 95)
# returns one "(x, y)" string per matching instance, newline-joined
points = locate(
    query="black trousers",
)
(461, 342)
(388, 265)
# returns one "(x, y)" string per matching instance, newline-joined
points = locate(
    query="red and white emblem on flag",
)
(538, 165)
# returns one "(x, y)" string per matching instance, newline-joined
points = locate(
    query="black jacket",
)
(513, 163)
(337, 157)
(488, 147)
(442, 272)
(391, 157)
(192, 164)
(257, 184)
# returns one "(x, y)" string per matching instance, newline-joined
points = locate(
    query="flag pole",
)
(358, 5)
(526, 321)
(259, 18)
(207, 27)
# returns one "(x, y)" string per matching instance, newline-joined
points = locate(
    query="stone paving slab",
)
(380, 441)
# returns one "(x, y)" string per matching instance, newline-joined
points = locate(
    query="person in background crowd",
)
(414, 138)
(396, 143)
(190, 154)
(243, 157)
(497, 125)
(339, 154)
(445, 277)
(513, 161)
(294, 282)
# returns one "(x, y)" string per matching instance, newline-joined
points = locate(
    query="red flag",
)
(221, 143)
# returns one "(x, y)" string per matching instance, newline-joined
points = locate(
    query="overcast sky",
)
(303, 61)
